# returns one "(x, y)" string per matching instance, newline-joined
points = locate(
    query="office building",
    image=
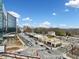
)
(7, 22)
(11, 23)
(2, 21)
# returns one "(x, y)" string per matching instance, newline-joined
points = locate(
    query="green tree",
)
(68, 34)
(40, 30)
(60, 32)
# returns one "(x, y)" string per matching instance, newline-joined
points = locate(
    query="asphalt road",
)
(43, 52)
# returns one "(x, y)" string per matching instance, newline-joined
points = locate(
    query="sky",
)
(45, 13)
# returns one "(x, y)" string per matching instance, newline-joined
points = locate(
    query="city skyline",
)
(45, 13)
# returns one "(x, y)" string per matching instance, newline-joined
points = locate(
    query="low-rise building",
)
(51, 33)
(54, 42)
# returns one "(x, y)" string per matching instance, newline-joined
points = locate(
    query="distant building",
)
(51, 33)
(54, 42)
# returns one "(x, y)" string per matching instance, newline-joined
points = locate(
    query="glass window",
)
(0, 4)
(0, 21)
(11, 23)
(0, 1)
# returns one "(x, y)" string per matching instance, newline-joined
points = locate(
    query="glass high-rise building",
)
(1, 20)
(11, 23)
(7, 22)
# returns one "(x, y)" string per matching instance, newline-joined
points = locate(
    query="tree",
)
(27, 29)
(60, 32)
(68, 34)
(40, 30)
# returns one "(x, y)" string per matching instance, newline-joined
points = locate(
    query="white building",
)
(51, 33)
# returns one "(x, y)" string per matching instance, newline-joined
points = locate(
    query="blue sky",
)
(45, 13)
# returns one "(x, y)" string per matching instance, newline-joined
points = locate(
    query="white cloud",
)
(73, 3)
(14, 14)
(26, 24)
(45, 24)
(54, 14)
(27, 19)
(66, 10)
(62, 25)
(66, 26)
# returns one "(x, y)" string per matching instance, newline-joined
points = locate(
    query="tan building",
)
(54, 42)
(51, 33)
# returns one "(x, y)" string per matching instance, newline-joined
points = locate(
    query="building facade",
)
(7, 22)
(1, 20)
(11, 23)
(52, 33)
